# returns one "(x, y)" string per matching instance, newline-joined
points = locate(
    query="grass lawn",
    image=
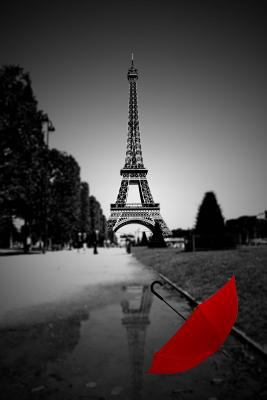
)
(202, 273)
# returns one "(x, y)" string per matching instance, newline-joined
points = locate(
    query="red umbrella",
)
(201, 335)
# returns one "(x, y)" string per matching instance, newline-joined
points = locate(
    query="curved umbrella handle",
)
(153, 290)
(162, 299)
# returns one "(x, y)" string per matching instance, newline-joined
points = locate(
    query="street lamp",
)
(79, 244)
(49, 128)
(95, 241)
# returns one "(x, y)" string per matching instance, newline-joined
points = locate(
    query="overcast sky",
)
(201, 93)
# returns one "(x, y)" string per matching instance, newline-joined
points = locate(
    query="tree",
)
(95, 214)
(246, 228)
(6, 230)
(144, 241)
(40, 186)
(210, 223)
(64, 197)
(209, 218)
(85, 209)
(22, 147)
(181, 233)
(157, 239)
(103, 229)
(98, 221)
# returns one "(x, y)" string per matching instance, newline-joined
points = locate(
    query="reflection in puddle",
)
(135, 319)
(107, 356)
(27, 350)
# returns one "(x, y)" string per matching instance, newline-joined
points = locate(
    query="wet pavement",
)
(97, 340)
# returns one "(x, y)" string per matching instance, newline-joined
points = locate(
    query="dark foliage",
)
(64, 197)
(144, 241)
(179, 232)
(246, 229)
(209, 230)
(97, 221)
(209, 218)
(85, 209)
(157, 239)
(40, 186)
(6, 229)
(22, 147)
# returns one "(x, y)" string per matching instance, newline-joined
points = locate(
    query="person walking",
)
(128, 246)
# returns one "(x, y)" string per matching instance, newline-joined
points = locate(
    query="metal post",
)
(95, 241)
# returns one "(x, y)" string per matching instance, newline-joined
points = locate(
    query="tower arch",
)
(128, 221)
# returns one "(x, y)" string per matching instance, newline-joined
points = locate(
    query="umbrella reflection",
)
(136, 307)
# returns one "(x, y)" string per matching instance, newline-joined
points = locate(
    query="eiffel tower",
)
(147, 212)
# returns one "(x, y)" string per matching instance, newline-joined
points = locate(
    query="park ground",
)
(202, 273)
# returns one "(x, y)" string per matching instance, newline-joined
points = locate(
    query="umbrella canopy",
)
(201, 335)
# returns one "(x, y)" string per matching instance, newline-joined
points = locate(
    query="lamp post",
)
(79, 244)
(84, 241)
(49, 128)
(95, 241)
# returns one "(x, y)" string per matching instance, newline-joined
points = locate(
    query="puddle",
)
(116, 347)
(102, 348)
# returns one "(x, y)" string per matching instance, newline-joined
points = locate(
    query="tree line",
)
(211, 231)
(40, 188)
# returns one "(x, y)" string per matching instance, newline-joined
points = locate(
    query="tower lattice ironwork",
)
(147, 212)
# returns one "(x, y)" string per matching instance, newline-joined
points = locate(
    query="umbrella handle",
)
(153, 290)
(162, 299)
